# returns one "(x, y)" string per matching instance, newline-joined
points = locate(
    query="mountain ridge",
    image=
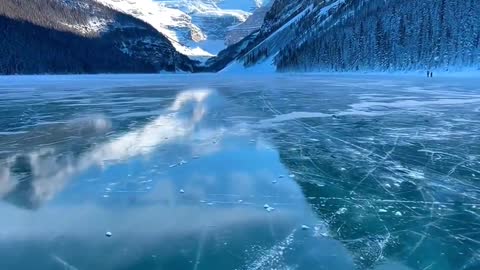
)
(72, 36)
(112, 36)
(196, 28)
(360, 35)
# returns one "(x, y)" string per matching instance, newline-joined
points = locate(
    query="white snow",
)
(294, 116)
(254, 22)
(285, 26)
(327, 8)
(268, 208)
(267, 65)
(93, 26)
(269, 258)
(178, 20)
(213, 46)
(305, 227)
(65, 265)
(167, 21)
(264, 67)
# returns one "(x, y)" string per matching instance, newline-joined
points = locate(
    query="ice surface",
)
(305, 227)
(390, 182)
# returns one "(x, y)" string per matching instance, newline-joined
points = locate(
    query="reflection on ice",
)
(30, 179)
(149, 228)
(382, 174)
(172, 125)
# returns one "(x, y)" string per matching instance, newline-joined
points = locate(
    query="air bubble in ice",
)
(268, 208)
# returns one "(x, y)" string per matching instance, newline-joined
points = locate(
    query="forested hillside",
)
(73, 36)
(256, 46)
(367, 35)
(390, 35)
(84, 36)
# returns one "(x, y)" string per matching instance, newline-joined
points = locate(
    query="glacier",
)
(196, 28)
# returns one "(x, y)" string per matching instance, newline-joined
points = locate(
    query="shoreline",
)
(436, 74)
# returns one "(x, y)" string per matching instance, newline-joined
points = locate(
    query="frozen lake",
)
(216, 173)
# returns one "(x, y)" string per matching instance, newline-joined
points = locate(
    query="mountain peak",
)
(196, 28)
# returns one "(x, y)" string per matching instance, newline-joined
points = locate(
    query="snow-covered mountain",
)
(379, 35)
(80, 36)
(253, 23)
(89, 36)
(197, 28)
(370, 35)
(275, 32)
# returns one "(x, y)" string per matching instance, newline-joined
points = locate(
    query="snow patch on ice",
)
(293, 116)
(403, 104)
(341, 211)
(273, 256)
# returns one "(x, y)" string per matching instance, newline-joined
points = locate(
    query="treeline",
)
(26, 48)
(389, 35)
(247, 50)
(53, 14)
(255, 56)
(45, 36)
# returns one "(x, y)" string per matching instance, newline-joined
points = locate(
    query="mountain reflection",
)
(30, 179)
